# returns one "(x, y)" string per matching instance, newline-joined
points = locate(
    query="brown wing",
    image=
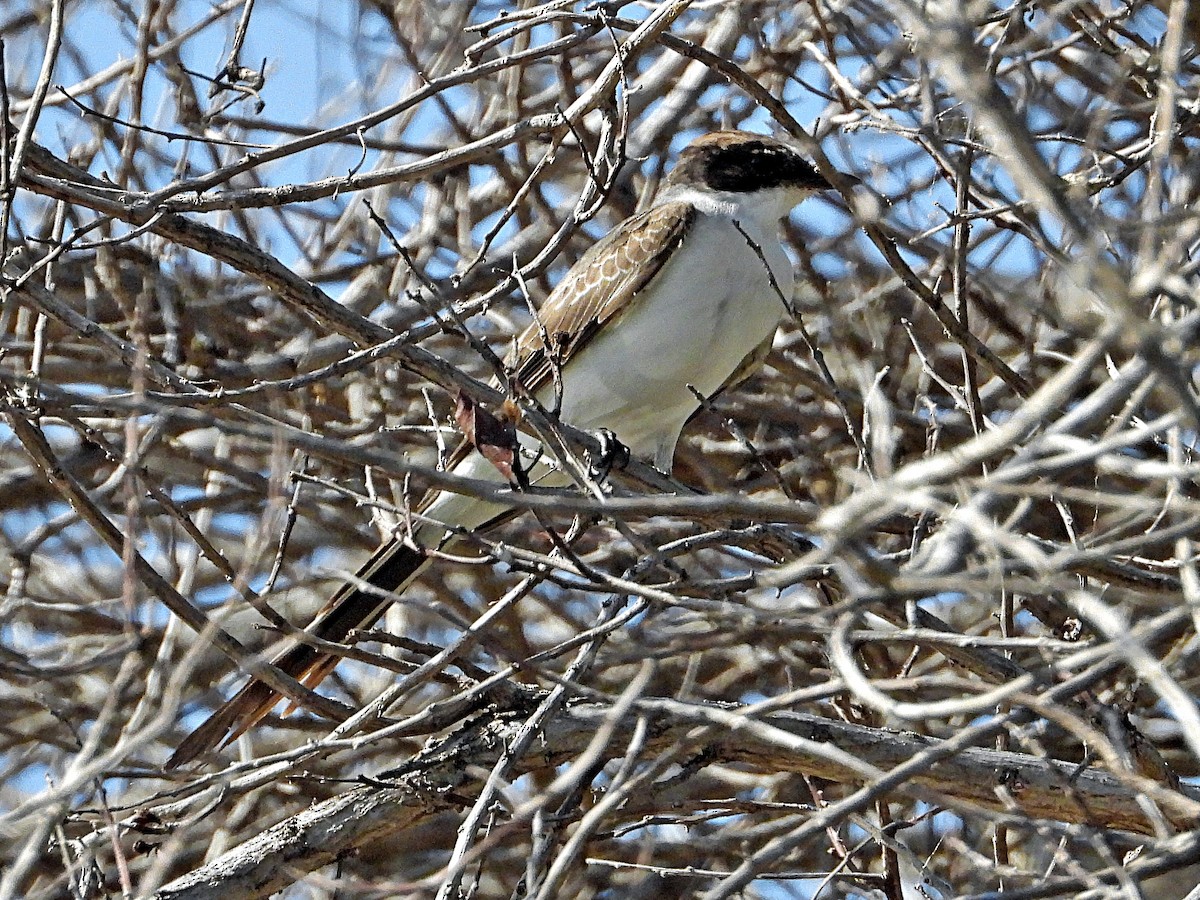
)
(600, 287)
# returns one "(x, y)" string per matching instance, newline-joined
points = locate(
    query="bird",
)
(674, 305)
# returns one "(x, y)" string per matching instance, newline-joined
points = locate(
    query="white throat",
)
(763, 209)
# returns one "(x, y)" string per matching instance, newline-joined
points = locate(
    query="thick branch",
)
(437, 781)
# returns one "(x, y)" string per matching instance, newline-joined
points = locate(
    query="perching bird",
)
(678, 301)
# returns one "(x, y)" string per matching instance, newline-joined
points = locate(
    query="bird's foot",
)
(611, 455)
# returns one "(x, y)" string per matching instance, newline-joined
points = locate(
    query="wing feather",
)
(600, 287)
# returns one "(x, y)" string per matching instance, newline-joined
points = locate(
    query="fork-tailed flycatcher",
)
(675, 303)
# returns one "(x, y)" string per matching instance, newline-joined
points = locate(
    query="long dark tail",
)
(390, 569)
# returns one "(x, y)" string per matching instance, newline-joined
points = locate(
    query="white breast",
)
(709, 307)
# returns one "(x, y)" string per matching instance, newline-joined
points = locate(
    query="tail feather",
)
(356, 604)
(390, 569)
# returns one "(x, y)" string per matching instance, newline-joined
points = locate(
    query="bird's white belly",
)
(709, 308)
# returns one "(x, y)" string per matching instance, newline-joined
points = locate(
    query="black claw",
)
(612, 455)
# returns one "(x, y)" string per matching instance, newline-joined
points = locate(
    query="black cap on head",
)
(743, 163)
